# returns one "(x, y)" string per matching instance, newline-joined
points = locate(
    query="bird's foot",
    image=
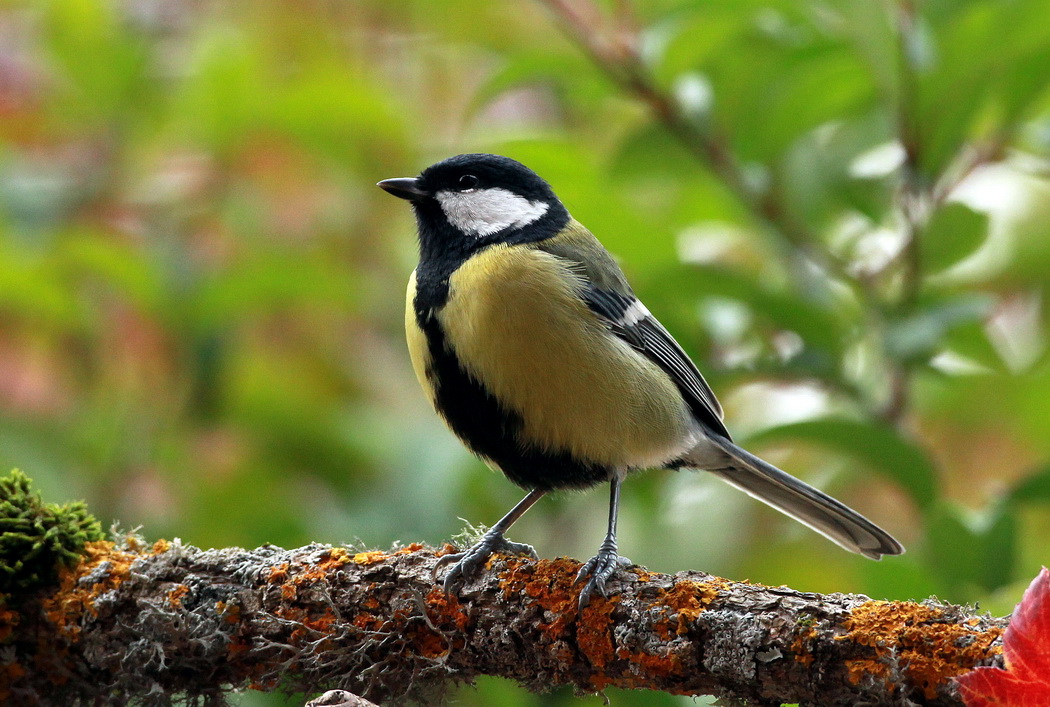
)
(600, 568)
(470, 560)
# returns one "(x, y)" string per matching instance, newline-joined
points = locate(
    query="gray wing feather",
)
(628, 319)
(797, 499)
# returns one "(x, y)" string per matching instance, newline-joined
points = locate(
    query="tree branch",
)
(152, 623)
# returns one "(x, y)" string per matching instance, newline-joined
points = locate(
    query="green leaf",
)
(954, 232)
(1034, 488)
(870, 28)
(707, 30)
(540, 67)
(1030, 236)
(225, 93)
(970, 553)
(115, 264)
(1021, 77)
(954, 86)
(824, 329)
(823, 85)
(653, 152)
(271, 282)
(970, 340)
(32, 288)
(921, 334)
(879, 447)
(103, 62)
(817, 172)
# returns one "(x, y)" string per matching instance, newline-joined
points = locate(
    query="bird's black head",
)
(470, 201)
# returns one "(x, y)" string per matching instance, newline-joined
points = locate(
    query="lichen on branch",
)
(149, 623)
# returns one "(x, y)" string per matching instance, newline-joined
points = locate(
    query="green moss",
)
(36, 538)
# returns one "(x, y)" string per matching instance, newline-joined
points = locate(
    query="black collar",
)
(443, 247)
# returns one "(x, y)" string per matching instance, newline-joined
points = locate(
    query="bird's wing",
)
(606, 292)
(629, 319)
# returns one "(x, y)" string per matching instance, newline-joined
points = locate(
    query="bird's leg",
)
(601, 566)
(468, 561)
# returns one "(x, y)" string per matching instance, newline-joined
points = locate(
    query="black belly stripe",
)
(491, 431)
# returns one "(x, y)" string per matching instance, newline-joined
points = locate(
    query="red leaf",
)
(1026, 649)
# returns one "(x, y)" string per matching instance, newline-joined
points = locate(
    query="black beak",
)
(404, 188)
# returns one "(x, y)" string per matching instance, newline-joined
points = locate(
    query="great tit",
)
(529, 342)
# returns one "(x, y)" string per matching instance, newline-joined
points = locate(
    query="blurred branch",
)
(916, 193)
(615, 51)
(142, 625)
(915, 198)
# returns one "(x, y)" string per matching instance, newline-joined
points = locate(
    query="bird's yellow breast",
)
(418, 348)
(516, 323)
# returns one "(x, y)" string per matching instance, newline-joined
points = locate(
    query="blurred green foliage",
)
(841, 208)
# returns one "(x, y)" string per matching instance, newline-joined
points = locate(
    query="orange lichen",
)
(369, 622)
(369, 558)
(446, 549)
(549, 583)
(862, 668)
(655, 666)
(593, 634)
(334, 559)
(8, 620)
(446, 608)
(237, 647)
(322, 623)
(688, 599)
(278, 574)
(231, 613)
(800, 646)
(918, 639)
(176, 594)
(290, 578)
(428, 643)
(308, 625)
(411, 548)
(67, 605)
(9, 674)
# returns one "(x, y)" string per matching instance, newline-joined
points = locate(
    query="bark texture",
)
(151, 624)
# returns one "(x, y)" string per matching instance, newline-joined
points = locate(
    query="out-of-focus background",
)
(841, 209)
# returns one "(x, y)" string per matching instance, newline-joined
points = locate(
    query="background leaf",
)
(954, 232)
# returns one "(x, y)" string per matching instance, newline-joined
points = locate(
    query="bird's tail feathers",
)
(797, 499)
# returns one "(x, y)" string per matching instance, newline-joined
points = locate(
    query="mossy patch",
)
(37, 538)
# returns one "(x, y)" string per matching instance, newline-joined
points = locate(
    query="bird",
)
(529, 342)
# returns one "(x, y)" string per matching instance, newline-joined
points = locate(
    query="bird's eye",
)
(467, 181)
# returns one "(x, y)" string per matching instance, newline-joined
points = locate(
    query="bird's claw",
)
(470, 560)
(600, 568)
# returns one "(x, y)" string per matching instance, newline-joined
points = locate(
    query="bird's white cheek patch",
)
(483, 212)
